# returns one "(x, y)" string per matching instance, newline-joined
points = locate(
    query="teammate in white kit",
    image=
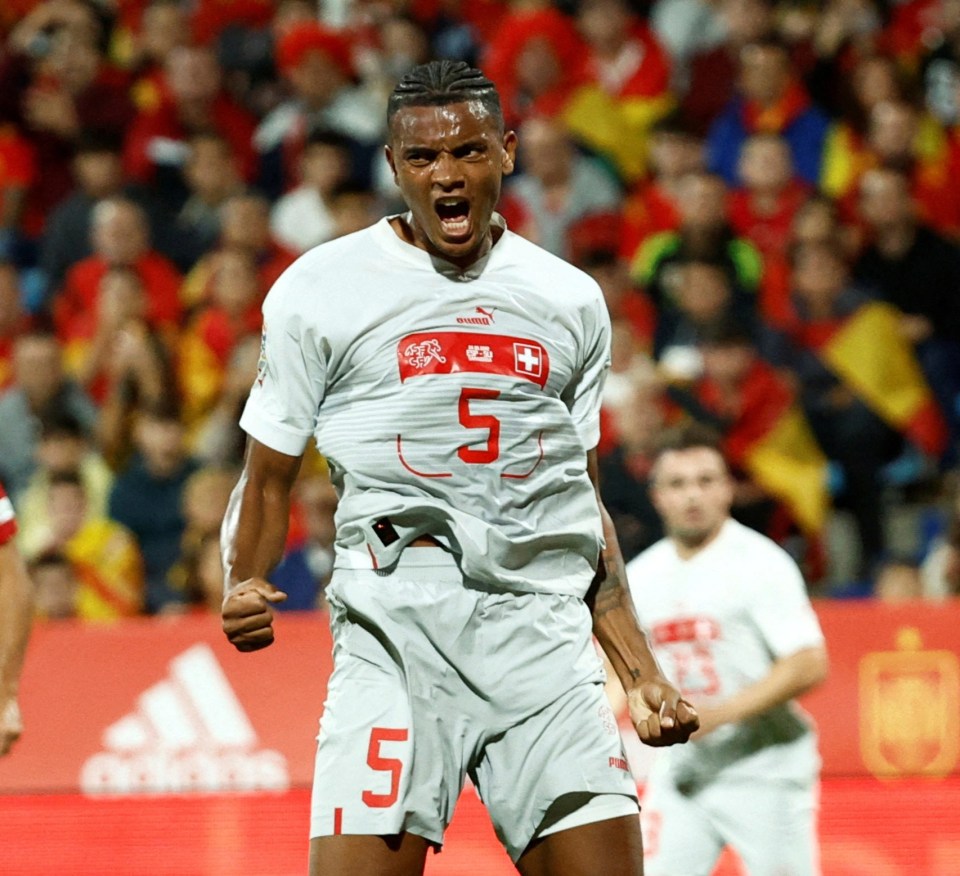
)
(730, 621)
(450, 372)
(16, 618)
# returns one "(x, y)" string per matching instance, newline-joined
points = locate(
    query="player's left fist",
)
(660, 714)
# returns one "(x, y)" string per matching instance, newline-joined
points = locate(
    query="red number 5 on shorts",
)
(392, 765)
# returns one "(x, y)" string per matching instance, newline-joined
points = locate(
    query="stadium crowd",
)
(768, 194)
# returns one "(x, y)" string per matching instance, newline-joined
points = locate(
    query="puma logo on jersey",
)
(485, 317)
(619, 763)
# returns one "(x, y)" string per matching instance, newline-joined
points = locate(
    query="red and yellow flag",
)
(870, 354)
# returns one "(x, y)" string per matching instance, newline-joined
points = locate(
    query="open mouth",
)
(454, 215)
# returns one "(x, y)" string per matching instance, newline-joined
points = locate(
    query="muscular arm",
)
(16, 617)
(618, 631)
(252, 539)
(789, 677)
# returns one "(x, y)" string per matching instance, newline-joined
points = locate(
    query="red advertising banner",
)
(153, 746)
(168, 706)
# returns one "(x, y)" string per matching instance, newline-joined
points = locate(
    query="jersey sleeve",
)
(583, 395)
(781, 609)
(282, 407)
(8, 520)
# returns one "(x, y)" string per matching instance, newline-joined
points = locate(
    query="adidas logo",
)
(188, 732)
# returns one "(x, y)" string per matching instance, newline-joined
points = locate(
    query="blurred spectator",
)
(940, 66)
(13, 320)
(874, 80)
(762, 209)
(56, 586)
(244, 224)
(714, 71)
(625, 302)
(163, 27)
(121, 239)
(537, 60)
(54, 85)
(147, 498)
(218, 438)
(700, 295)
(61, 448)
(103, 554)
(913, 268)
(651, 206)
(704, 235)
(205, 497)
(98, 175)
(193, 102)
(39, 387)
(625, 470)
(301, 219)
(771, 100)
(816, 221)
(207, 344)
(558, 186)
(306, 568)
(847, 428)
(212, 177)
(685, 28)
(353, 206)
(125, 354)
(932, 168)
(780, 472)
(544, 68)
(898, 582)
(628, 63)
(318, 64)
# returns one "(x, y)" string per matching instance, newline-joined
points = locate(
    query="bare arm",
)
(16, 617)
(658, 712)
(789, 677)
(252, 539)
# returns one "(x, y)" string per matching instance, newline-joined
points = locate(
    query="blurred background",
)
(768, 194)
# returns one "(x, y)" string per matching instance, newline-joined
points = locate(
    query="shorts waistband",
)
(425, 557)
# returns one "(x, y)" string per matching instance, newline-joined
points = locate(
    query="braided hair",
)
(438, 83)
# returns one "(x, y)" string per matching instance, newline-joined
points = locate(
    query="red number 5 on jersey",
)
(491, 450)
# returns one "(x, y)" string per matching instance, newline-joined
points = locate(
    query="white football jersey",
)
(717, 622)
(453, 403)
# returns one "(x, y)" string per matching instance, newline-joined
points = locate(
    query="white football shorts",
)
(436, 678)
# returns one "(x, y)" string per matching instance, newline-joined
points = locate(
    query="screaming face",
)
(448, 162)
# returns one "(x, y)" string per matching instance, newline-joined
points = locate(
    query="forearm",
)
(615, 621)
(16, 618)
(789, 677)
(254, 528)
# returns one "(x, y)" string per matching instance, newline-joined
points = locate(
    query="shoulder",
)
(558, 279)
(300, 287)
(755, 549)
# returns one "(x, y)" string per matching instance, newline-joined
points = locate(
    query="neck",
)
(690, 545)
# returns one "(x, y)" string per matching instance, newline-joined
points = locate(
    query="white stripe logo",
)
(188, 732)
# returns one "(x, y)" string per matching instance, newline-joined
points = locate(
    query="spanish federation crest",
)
(909, 702)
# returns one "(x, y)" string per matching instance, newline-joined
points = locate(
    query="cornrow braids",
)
(438, 83)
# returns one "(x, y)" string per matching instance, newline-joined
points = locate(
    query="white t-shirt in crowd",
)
(717, 622)
(459, 404)
(301, 220)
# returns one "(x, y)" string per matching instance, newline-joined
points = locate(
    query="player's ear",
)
(388, 152)
(509, 151)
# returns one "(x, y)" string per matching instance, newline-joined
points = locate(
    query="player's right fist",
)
(247, 616)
